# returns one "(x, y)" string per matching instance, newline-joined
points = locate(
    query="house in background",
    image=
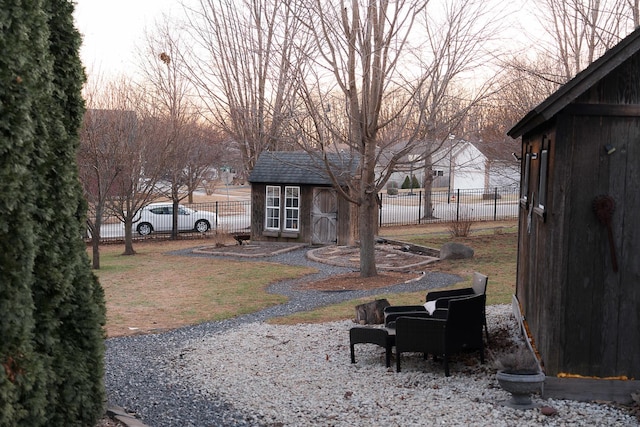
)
(578, 276)
(485, 165)
(293, 199)
(466, 165)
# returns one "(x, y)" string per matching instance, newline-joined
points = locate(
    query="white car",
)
(158, 217)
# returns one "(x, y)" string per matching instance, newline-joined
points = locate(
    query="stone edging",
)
(119, 414)
(311, 254)
(211, 250)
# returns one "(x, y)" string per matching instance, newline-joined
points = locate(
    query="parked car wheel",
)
(202, 226)
(144, 229)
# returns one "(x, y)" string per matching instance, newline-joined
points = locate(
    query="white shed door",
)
(324, 216)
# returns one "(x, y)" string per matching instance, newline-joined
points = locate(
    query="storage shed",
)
(293, 199)
(578, 279)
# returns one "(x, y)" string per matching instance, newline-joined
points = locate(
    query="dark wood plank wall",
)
(258, 201)
(306, 206)
(612, 347)
(629, 255)
(585, 300)
(344, 222)
(584, 317)
(258, 204)
(538, 290)
(551, 251)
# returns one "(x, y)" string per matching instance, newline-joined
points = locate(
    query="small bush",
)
(410, 182)
(392, 188)
(460, 228)
(519, 360)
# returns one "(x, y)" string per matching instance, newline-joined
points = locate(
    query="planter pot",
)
(521, 385)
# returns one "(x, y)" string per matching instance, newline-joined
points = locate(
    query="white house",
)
(484, 165)
(466, 165)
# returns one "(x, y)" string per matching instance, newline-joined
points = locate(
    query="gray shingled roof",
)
(300, 167)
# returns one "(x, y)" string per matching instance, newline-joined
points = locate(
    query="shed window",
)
(542, 188)
(524, 185)
(272, 210)
(292, 208)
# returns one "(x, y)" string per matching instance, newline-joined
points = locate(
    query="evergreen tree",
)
(406, 183)
(55, 303)
(23, 42)
(414, 181)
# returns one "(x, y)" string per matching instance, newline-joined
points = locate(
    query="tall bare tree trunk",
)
(95, 238)
(128, 238)
(427, 203)
(367, 213)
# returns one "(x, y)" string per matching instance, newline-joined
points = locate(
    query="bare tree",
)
(118, 157)
(363, 96)
(240, 66)
(634, 7)
(97, 159)
(136, 157)
(358, 47)
(176, 116)
(522, 84)
(459, 39)
(206, 149)
(581, 31)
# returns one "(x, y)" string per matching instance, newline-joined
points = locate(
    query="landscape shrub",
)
(392, 188)
(406, 183)
(410, 182)
(462, 226)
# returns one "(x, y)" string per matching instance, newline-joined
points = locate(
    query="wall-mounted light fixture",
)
(609, 149)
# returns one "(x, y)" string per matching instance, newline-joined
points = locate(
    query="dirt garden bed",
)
(390, 255)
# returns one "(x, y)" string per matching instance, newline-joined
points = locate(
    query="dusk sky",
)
(111, 30)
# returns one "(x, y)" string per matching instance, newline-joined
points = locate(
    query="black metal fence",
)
(405, 208)
(233, 217)
(409, 207)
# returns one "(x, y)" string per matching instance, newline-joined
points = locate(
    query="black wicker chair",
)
(478, 287)
(457, 328)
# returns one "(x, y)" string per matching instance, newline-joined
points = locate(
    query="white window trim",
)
(542, 182)
(288, 209)
(524, 186)
(269, 207)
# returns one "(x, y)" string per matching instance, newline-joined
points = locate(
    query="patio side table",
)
(366, 335)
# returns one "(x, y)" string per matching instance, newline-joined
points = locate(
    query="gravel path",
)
(244, 372)
(139, 369)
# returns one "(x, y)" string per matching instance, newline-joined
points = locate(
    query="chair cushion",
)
(430, 306)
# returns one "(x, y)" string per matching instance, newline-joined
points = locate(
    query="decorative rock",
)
(548, 411)
(453, 250)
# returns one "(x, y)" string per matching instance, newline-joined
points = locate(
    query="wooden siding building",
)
(293, 199)
(578, 279)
